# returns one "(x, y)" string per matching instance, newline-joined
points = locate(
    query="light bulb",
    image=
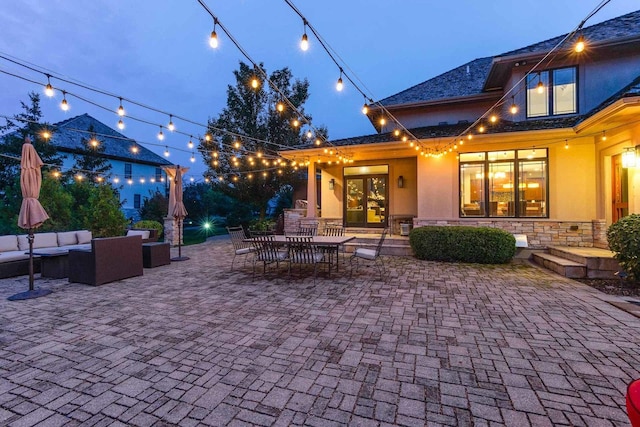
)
(540, 87)
(255, 83)
(604, 136)
(280, 107)
(116, 180)
(396, 132)
(46, 134)
(295, 123)
(514, 107)
(566, 144)
(94, 142)
(160, 134)
(580, 44)
(493, 118)
(339, 84)
(120, 124)
(213, 40)
(481, 128)
(365, 109)
(236, 145)
(64, 105)
(48, 89)
(134, 149)
(309, 134)
(193, 158)
(166, 151)
(207, 137)
(171, 126)
(121, 109)
(383, 121)
(304, 43)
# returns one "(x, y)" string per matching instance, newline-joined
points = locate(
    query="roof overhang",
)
(615, 116)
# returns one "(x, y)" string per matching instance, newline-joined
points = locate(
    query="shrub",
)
(463, 244)
(624, 241)
(148, 223)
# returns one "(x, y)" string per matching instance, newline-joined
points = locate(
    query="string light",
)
(64, 105)
(160, 134)
(120, 124)
(540, 86)
(94, 142)
(213, 39)
(566, 144)
(304, 42)
(121, 109)
(48, 89)
(255, 83)
(171, 126)
(604, 135)
(295, 123)
(514, 107)
(134, 148)
(580, 44)
(237, 145)
(166, 151)
(339, 84)
(190, 143)
(493, 118)
(280, 106)
(46, 134)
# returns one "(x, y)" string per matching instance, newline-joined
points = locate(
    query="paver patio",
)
(192, 343)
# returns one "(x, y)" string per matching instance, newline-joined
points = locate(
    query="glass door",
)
(366, 198)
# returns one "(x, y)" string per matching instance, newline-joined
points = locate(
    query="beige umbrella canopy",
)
(32, 214)
(179, 211)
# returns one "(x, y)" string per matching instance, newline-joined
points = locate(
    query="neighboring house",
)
(556, 168)
(135, 175)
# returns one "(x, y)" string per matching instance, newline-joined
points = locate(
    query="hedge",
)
(624, 241)
(482, 245)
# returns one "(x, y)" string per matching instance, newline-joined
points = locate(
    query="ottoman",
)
(156, 254)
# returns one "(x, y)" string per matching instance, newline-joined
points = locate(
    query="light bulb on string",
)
(309, 134)
(514, 107)
(120, 124)
(304, 42)
(134, 149)
(166, 151)
(160, 134)
(48, 89)
(193, 158)
(383, 121)
(295, 123)
(207, 137)
(237, 145)
(339, 84)
(64, 105)
(255, 83)
(213, 39)
(46, 134)
(190, 143)
(171, 126)
(493, 118)
(94, 142)
(540, 87)
(566, 144)
(280, 106)
(604, 135)
(580, 44)
(121, 109)
(365, 109)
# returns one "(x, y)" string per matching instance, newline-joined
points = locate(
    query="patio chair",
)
(307, 231)
(373, 255)
(240, 246)
(302, 251)
(333, 230)
(267, 251)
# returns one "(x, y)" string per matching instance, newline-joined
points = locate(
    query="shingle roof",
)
(621, 27)
(67, 137)
(632, 89)
(466, 80)
(458, 83)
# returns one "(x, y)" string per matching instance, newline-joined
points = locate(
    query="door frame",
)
(365, 201)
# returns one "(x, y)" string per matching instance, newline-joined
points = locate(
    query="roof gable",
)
(68, 135)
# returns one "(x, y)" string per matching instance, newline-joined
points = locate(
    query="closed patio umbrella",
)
(32, 214)
(179, 212)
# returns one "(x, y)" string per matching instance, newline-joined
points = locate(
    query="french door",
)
(620, 190)
(366, 201)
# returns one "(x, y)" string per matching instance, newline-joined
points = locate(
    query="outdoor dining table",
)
(333, 242)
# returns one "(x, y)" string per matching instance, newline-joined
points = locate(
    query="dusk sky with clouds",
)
(157, 53)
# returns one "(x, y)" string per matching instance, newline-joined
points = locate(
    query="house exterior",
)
(537, 141)
(135, 175)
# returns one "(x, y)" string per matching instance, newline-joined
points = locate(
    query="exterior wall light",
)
(629, 157)
(400, 181)
(332, 184)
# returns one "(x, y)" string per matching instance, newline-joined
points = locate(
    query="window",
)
(136, 201)
(159, 175)
(504, 184)
(127, 170)
(552, 92)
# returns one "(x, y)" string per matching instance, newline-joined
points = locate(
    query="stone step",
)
(395, 245)
(599, 262)
(562, 266)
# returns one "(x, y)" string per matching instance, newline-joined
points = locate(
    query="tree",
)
(155, 207)
(106, 217)
(249, 170)
(90, 161)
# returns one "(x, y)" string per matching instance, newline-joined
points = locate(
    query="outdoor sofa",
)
(14, 249)
(107, 260)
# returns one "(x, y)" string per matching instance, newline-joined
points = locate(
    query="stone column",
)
(312, 201)
(170, 223)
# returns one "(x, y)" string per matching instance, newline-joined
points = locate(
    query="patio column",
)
(312, 201)
(170, 223)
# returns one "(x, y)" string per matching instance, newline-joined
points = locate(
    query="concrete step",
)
(599, 262)
(562, 266)
(393, 245)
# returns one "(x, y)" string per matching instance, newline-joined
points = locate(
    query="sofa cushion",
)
(41, 240)
(67, 238)
(8, 243)
(143, 233)
(13, 256)
(84, 236)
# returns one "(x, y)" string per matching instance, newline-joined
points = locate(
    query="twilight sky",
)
(156, 52)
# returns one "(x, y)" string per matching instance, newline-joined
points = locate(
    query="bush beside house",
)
(624, 241)
(463, 244)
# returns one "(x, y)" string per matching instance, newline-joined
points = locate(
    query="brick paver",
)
(433, 344)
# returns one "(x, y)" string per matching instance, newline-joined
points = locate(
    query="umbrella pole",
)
(30, 238)
(180, 257)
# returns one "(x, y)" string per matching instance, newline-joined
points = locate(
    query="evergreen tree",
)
(90, 161)
(246, 169)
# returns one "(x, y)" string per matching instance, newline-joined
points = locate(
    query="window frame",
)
(137, 201)
(517, 162)
(128, 171)
(550, 92)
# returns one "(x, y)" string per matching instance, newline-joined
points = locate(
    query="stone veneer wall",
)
(540, 233)
(296, 218)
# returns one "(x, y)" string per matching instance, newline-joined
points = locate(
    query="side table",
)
(156, 254)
